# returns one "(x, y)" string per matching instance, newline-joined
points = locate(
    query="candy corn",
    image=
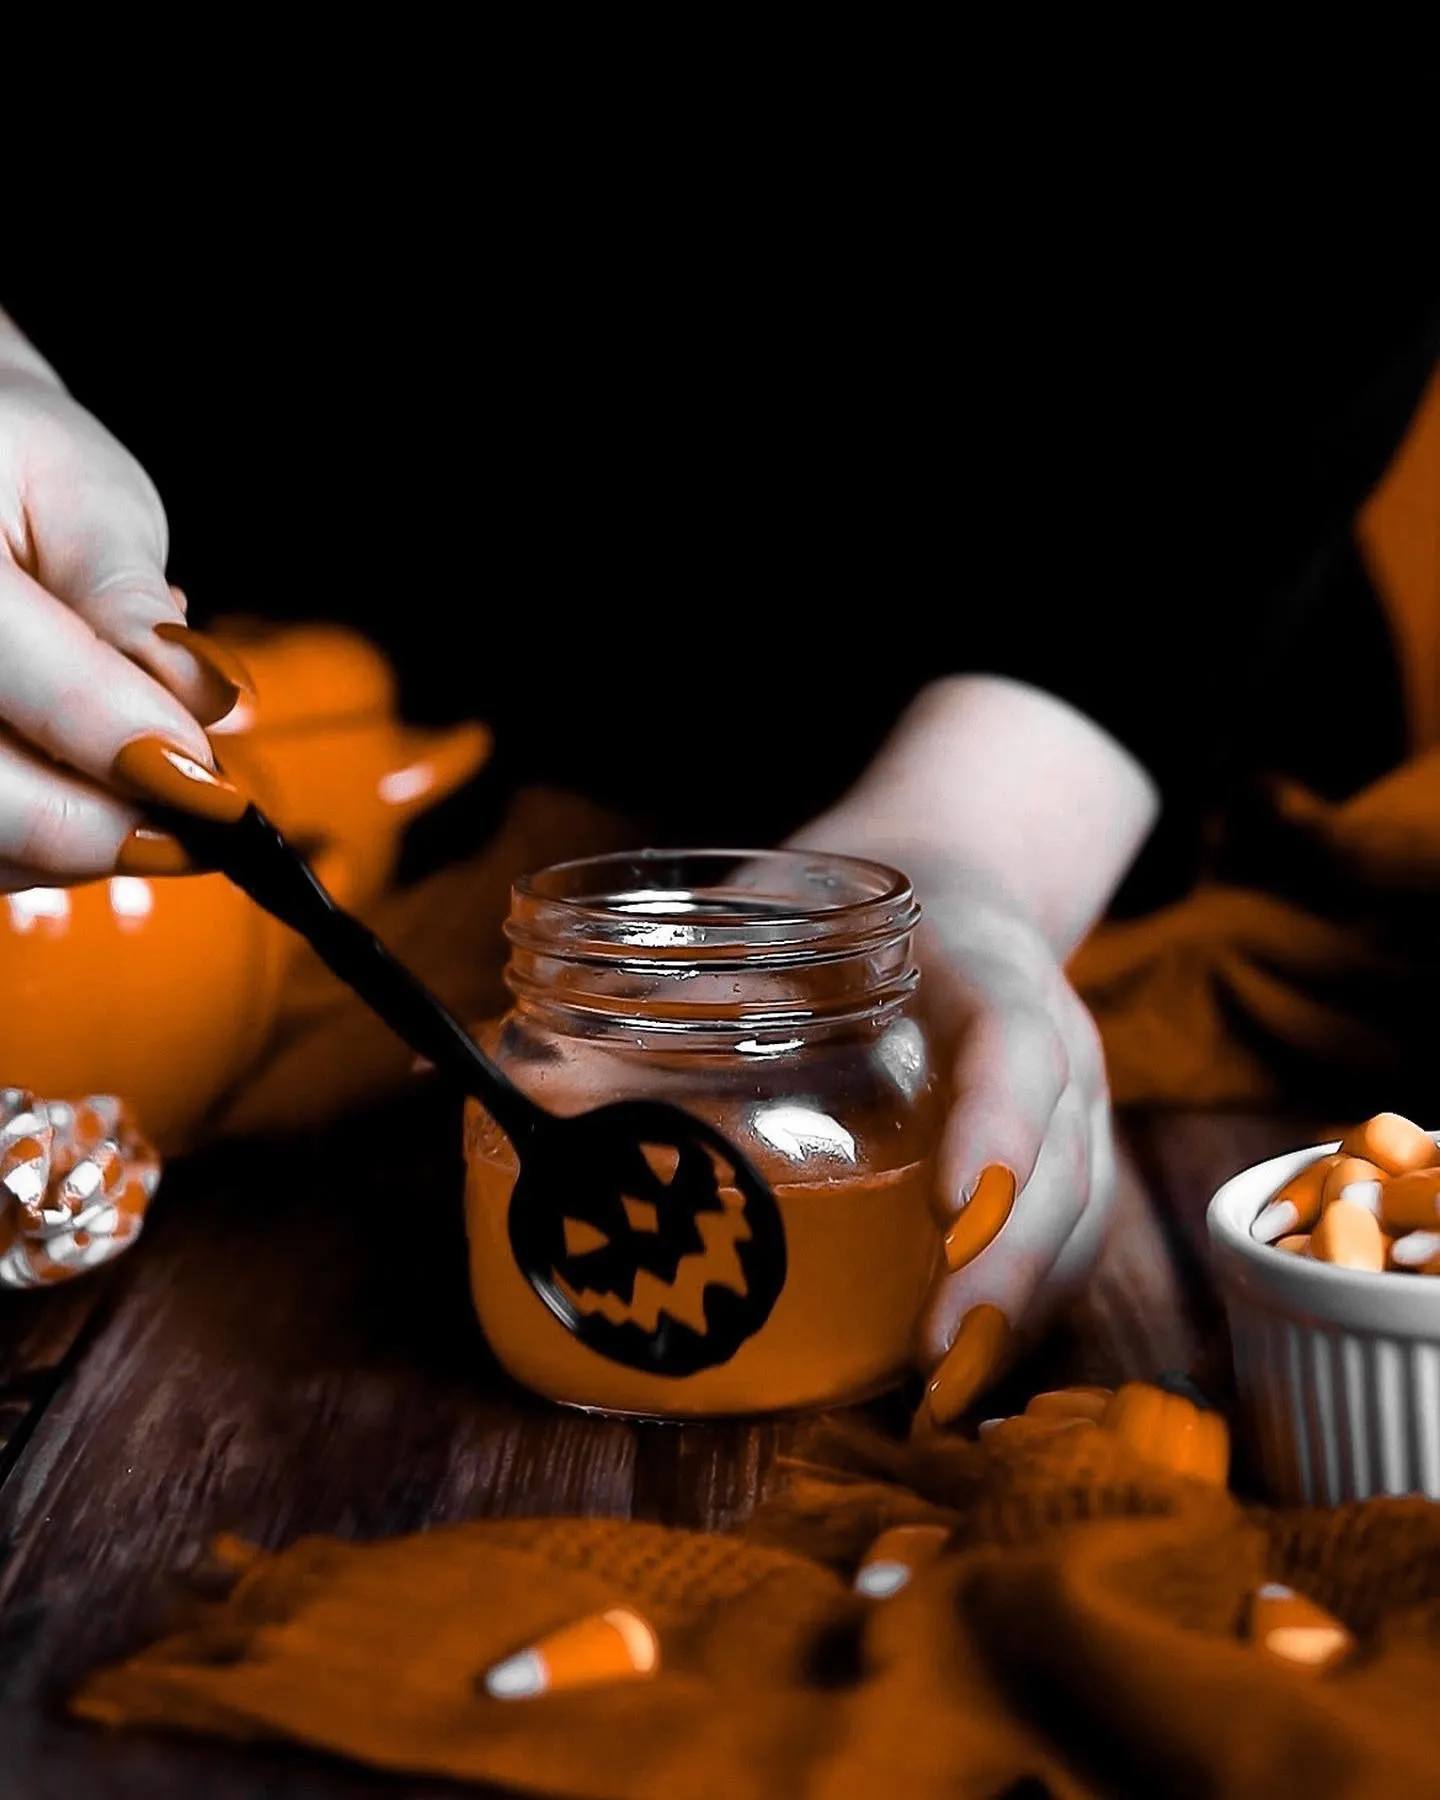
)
(1350, 1236)
(1397, 1144)
(1297, 1205)
(894, 1557)
(1290, 1628)
(1354, 1180)
(1412, 1202)
(1373, 1204)
(616, 1645)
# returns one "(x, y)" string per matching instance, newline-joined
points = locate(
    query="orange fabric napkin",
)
(1083, 1635)
(1316, 983)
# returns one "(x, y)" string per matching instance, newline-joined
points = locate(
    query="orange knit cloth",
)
(1081, 1636)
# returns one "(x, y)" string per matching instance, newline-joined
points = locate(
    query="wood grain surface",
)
(291, 1349)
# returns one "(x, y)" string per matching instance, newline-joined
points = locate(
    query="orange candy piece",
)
(1396, 1143)
(615, 1645)
(1350, 1206)
(1293, 1630)
(1296, 1206)
(1348, 1236)
(1412, 1202)
(1355, 1180)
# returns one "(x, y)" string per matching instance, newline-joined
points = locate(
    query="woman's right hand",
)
(104, 692)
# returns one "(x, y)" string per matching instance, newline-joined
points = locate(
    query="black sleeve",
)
(1170, 532)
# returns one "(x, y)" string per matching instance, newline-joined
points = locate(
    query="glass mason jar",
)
(770, 993)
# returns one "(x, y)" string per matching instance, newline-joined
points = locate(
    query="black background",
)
(687, 499)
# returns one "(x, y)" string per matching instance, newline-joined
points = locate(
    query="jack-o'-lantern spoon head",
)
(702, 1200)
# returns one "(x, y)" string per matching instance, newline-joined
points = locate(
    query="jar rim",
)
(685, 903)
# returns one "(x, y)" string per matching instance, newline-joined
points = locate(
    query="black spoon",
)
(584, 1166)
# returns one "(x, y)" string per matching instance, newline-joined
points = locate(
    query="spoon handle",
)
(255, 856)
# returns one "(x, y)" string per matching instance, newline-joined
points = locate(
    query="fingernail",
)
(891, 1561)
(969, 1363)
(983, 1217)
(150, 852)
(228, 676)
(608, 1646)
(157, 770)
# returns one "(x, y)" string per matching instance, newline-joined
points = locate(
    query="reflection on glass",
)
(800, 1131)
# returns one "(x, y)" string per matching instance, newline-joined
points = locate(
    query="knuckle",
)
(59, 833)
(1087, 1047)
(1067, 1157)
(1037, 1043)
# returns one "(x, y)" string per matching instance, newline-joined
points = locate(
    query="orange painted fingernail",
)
(982, 1218)
(150, 852)
(891, 1561)
(969, 1363)
(1295, 1630)
(158, 770)
(609, 1646)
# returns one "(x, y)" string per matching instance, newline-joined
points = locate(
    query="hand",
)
(1025, 1174)
(1015, 816)
(103, 690)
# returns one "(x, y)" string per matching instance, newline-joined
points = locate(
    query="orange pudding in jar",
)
(771, 994)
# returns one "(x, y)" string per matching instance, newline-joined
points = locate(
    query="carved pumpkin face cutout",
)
(643, 1276)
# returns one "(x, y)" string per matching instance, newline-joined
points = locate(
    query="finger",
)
(112, 575)
(1007, 1077)
(84, 705)
(970, 1323)
(1081, 1251)
(56, 829)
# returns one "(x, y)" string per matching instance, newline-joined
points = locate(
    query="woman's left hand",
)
(1015, 816)
(1025, 1172)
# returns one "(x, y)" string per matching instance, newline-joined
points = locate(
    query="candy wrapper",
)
(75, 1180)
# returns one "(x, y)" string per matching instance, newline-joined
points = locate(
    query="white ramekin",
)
(1337, 1370)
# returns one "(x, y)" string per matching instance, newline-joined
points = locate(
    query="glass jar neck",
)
(766, 946)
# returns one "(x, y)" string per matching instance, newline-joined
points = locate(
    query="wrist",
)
(1006, 789)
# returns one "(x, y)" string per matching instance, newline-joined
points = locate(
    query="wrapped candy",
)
(75, 1180)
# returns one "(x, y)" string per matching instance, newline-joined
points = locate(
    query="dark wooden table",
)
(290, 1348)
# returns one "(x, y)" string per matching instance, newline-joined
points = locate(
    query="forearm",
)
(19, 356)
(1010, 784)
